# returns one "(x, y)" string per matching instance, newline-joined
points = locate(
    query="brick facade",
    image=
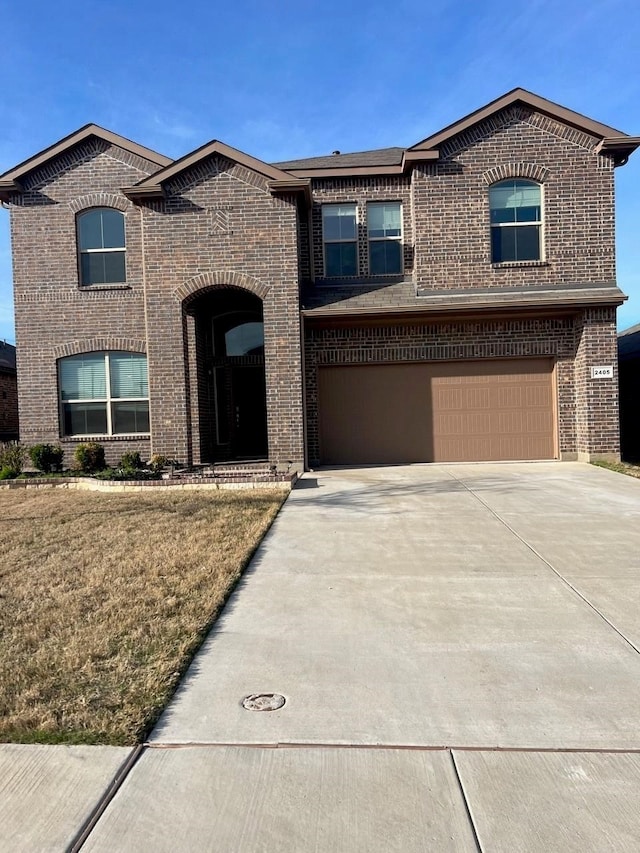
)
(8, 405)
(217, 228)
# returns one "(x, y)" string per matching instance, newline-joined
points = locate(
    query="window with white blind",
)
(101, 246)
(384, 230)
(516, 221)
(104, 393)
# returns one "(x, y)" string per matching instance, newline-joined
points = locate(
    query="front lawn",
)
(104, 600)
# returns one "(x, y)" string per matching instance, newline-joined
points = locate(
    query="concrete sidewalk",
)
(416, 619)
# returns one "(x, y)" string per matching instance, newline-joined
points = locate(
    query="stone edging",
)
(183, 484)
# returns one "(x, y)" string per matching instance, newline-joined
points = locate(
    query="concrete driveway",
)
(458, 650)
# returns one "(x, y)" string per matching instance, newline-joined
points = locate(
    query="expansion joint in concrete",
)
(549, 565)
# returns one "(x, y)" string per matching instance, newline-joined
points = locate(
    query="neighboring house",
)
(446, 301)
(629, 360)
(8, 393)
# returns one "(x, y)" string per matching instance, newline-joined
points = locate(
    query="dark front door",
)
(249, 415)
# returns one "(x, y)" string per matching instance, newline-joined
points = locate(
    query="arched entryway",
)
(229, 352)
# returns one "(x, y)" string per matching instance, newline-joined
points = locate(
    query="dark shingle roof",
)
(377, 157)
(7, 356)
(629, 342)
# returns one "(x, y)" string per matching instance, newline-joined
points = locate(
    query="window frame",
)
(399, 239)
(102, 251)
(539, 224)
(355, 241)
(108, 400)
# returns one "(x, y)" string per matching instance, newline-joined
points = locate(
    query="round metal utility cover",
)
(263, 702)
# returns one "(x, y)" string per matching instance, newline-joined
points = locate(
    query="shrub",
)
(89, 457)
(12, 456)
(46, 457)
(158, 461)
(7, 474)
(131, 461)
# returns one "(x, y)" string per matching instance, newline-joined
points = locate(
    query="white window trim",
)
(108, 400)
(326, 242)
(82, 252)
(540, 223)
(399, 239)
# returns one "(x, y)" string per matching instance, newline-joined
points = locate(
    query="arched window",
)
(101, 246)
(516, 221)
(104, 393)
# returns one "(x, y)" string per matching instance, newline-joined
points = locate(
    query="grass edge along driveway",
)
(104, 600)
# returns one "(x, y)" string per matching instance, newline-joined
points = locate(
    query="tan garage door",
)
(458, 411)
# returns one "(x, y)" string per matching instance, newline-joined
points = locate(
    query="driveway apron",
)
(416, 620)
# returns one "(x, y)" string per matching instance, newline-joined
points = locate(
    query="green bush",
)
(7, 474)
(12, 456)
(131, 461)
(89, 457)
(46, 457)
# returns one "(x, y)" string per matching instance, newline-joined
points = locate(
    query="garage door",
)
(463, 411)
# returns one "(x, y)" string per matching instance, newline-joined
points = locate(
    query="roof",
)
(401, 298)
(519, 96)
(376, 157)
(7, 356)
(397, 160)
(629, 343)
(152, 186)
(294, 175)
(10, 181)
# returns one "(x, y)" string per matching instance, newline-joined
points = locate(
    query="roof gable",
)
(153, 185)
(535, 102)
(10, 181)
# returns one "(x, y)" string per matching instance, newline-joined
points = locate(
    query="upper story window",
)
(340, 236)
(516, 221)
(101, 246)
(104, 393)
(384, 231)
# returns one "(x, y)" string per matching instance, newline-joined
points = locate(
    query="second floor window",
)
(340, 236)
(101, 246)
(516, 221)
(384, 230)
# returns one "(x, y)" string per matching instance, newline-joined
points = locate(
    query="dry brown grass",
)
(632, 469)
(104, 600)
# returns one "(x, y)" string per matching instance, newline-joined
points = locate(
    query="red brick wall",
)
(8, 405)
(597, 425)
(435, 341)
(219, 226)
(450, 200)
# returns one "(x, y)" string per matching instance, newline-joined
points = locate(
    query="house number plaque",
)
(602, 371)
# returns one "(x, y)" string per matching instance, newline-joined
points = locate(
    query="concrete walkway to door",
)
(458, 649)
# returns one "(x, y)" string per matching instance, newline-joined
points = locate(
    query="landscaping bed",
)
(105, 598)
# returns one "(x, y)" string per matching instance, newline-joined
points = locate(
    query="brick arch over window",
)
(100, 345)
(100, 200)
(220, 278)
(527, 171)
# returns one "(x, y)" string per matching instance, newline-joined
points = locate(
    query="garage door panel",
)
(437, 412)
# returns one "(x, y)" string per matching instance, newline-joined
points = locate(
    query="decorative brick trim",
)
(514, 115)
(98, 345)
(532, 171)
(219, 278)
(81, 153)
(211, 167)
(100, 200)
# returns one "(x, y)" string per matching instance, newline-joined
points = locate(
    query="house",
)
(8, 393)
(451, 301)
(629, 361)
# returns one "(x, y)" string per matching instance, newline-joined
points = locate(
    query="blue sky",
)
(291, 79)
